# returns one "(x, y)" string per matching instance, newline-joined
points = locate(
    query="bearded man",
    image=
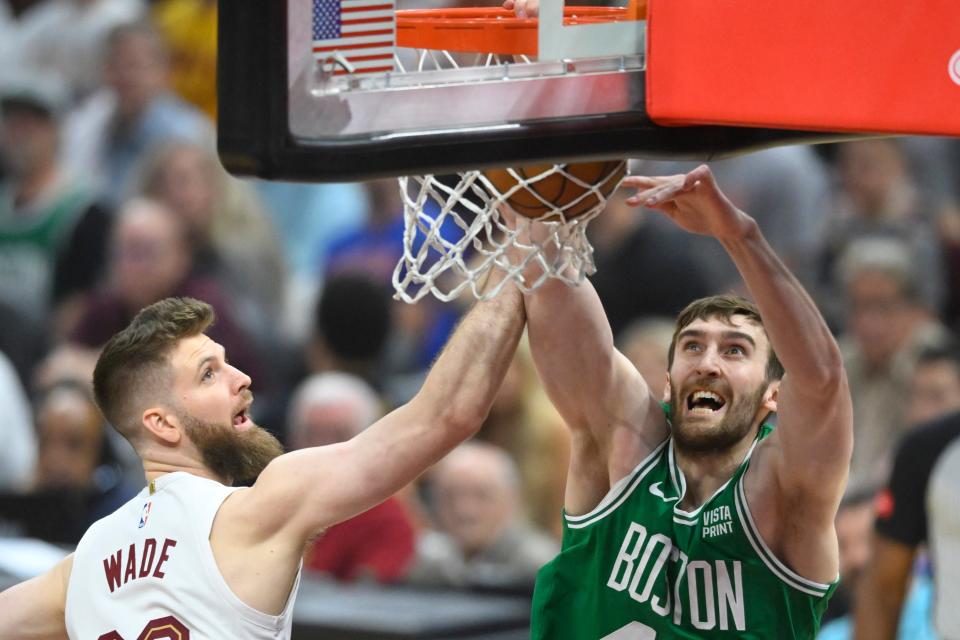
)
(193, 555)
(696, 518)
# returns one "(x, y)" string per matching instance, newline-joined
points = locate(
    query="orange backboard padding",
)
(845, 65)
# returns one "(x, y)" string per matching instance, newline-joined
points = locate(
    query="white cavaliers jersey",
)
(147, 571)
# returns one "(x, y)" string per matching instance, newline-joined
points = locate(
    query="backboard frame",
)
(253, 129)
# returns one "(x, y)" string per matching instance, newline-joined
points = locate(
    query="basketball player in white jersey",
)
(193, 557)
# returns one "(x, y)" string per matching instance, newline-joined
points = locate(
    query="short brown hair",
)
(723, 306)
(134, 365)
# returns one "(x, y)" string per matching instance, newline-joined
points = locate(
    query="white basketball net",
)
(438, 260)
(455, 231)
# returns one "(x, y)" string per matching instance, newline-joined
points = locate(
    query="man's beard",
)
(735, 424)
(237, 456)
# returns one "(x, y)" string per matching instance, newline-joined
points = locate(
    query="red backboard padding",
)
(833, 65)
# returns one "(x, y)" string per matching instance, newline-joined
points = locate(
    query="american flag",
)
(361, 31)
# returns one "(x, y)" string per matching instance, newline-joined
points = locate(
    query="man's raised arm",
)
(815, 426)
(34, 609)
(305, 491)
(614, 419)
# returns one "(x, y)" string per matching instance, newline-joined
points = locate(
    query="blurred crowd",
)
(112, 197)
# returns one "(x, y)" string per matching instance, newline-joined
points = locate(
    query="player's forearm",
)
(466, 377)
(797, 331)
(571, 343)
(29, 611)
(877, 611)
(883, 588)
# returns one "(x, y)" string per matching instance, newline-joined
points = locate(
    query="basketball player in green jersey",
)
(696, 518)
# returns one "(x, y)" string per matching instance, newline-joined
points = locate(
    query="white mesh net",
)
(458, 229)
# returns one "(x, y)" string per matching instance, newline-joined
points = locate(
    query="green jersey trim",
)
(618, 493)
(780, 570)
(691, 518)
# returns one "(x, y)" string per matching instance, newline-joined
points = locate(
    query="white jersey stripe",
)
(784, 573)
(618, 493)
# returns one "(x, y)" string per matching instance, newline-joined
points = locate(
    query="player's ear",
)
(666, 389)
(162, 423)
(770, 396)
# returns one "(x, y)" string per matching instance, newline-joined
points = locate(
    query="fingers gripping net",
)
(458, 232)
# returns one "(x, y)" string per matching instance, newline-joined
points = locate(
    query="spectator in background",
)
(66, 38)
(918, 507)
(935, 164)
(378, 544)
(190, 29)
(482, 541)
(76, 479)
(52, 236)
(352, 324)
(19, 449)
(233, 237)
(22, 341)
(420, 330)
(854, 525)
(878, 198)
(74, 452)
(935, 386)
(115, 126)
(8, 24)
(151, 258)
(907, 511)
(309, 218)
(854, 521)
(374, 248)
(524, 423)
(888, 325)
(949, 229)
(646, 342)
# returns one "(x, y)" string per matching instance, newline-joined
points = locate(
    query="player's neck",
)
(705, 472)
(160, 463)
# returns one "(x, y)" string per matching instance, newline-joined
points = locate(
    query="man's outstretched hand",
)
(523, 8)
(693, 201)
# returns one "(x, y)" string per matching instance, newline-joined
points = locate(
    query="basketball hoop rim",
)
(487, 29)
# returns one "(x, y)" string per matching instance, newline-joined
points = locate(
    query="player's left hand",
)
(693, 201)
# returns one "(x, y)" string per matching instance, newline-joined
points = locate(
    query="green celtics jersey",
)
(638, 567)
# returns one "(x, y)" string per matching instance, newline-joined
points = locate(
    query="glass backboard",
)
(333, 90)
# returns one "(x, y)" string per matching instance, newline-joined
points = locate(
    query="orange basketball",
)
(556, 190)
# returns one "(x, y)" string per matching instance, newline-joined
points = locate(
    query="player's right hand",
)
(523, 8)
(693, 201)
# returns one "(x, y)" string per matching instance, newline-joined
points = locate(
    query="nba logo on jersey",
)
(144, 514)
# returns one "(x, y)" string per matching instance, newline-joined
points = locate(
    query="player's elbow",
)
(826, 375)
(458, 420)
(824, 379)
(463, 422)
